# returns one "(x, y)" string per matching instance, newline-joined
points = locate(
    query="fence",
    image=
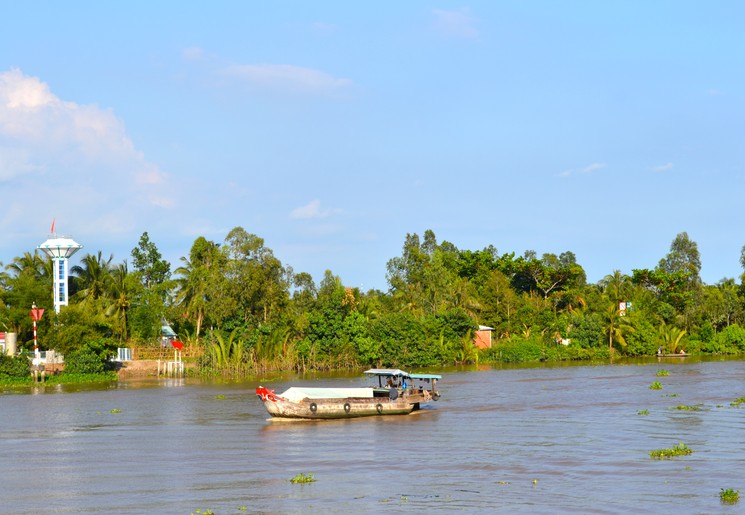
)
(165, 353)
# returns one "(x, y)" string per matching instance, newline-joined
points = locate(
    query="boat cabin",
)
(402, 382)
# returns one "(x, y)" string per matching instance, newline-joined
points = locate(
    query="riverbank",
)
(144, 368)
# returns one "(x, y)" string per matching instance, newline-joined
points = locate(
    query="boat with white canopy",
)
(394, 392)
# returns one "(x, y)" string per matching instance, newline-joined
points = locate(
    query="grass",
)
(655, 386)
(729, 496)
(683, 407)
(303, 478)
(678, 450)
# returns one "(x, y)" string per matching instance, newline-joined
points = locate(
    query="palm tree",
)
(31, 264)
(616, 326)
(93, 276)
(670, 337)
(118, 293)
(617, 286)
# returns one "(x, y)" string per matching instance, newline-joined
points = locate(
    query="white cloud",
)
(663, 168)
(591, 168)
(75, 161)
(193, 53)
(285, 76)
(594, 167)
(312, 210)
(455, 24)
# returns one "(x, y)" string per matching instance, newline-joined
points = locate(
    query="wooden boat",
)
(673, 355)
(396, 393)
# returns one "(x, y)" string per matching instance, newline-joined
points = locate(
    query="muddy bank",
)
(143, 368)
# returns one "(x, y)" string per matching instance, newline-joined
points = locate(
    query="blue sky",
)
(332, 129)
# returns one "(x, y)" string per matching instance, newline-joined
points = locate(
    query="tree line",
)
(251, 312)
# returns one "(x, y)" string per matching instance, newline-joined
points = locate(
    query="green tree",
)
(119, 298)
(258, 282)
(149, 264)
(670, 337)
(617, 287)
(200, 282)
(548, 274)
(92, 277)
(28, 281)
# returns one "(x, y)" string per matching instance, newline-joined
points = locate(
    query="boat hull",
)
(336, 408)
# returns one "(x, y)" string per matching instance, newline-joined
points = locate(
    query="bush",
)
(517, 350)
(13, 366)
(643, 341)
(92, 358)
(728, 341)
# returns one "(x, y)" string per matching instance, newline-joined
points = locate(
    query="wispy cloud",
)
(312, 210)
(53, 148)
(192, 53)
(663, 168)
(591, 168)
(286, 76)
(455, 24)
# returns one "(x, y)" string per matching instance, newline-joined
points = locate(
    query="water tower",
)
(59, 249)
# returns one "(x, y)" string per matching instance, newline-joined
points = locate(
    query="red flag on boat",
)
(177, 344)
(51, 231)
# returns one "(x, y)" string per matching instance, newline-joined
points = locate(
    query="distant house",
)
(167, 334)
(482, 337)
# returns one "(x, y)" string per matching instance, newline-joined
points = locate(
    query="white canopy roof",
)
(57, 248)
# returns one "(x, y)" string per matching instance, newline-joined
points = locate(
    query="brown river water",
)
(553, 439)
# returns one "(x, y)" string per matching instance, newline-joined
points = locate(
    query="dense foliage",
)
(248, 311)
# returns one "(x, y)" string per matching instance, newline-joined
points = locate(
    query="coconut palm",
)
(31, 264)
(670, 337)
(92, 276)
(617, 286)
(119, 295)
(616, 326)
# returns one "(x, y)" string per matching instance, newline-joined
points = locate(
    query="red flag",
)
(51, 231)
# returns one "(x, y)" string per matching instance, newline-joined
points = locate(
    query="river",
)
(551, 439)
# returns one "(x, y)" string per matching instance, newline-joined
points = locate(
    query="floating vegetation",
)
(303, 478)
(678, 450)
(503, 482)
(671, 394)
(220, 397)
(736, 403)
(203, 512)
(683, 407)
(115, 411)
(662, 373)
(655, 386)
(729, 496)
(643, 412)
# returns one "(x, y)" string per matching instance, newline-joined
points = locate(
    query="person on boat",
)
(659, 351)
(682, 351)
